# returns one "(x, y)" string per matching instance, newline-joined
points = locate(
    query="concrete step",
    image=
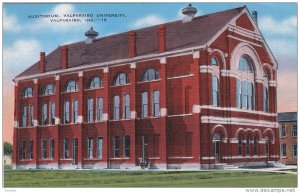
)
(275, 164)
(228, 167)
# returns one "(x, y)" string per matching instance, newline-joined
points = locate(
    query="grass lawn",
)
(94, 178)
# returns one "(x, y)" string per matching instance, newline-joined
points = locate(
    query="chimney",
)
(64, 57)
(189, 13)
(91, 36)
(162, 38)
(132, 44)
(254, 17)
(42, 62)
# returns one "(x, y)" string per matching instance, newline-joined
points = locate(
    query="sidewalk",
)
(288, 169)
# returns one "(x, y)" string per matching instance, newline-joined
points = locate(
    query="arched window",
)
(217, 137)
(71, 86)
(150, 74)
(126, 108)
(121, 79)
(248, 146)
(95, 82)
(215, 91)
(240, 150)
(116, 107)
(48, 89)
(265, 99)
(255, 146)
(267, 142)
(238, 93)
(245, 64)
(214, 61)
(27, 92)
(155, 105)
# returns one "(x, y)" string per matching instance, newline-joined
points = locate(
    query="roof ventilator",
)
(91, 35)
(189, 13)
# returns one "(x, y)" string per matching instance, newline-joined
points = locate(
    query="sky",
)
(25, 37)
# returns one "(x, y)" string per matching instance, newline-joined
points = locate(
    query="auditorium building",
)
(196, 93)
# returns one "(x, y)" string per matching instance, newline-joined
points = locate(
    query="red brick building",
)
(194, 93)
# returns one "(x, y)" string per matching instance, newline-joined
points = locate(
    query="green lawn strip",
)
(147, 179)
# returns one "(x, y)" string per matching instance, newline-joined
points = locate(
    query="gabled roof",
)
(178, 36)
(286, 117)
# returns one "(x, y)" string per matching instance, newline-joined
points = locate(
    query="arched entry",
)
(217, 147)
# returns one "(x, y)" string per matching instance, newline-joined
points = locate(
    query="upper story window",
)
(150, 74)
(155, 105)
(294, 130)
(71, 86)
(265, 99)
(215, 91)
(27, 92)
(121, 79)
(245, 64)
(95, 82)
(282, 130)
(48, 89)
(214, 61)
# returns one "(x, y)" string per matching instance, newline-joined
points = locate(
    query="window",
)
(66, 149)
(244, 94)
(27, 92)
(126, 106)
(48, 89)
(67, 112)
(95, 82)
(30, 151)
(238, 93)
(240, 146)
(265, 99)
(44, 115)
(52, 113)
(75, 151)
(267, 145)
(116, 146)
(295, 150)
(255, 146)
(24, 116)
(215, 90)
(283, 149)
(145, 104)
(71, 86)
(248, 146)
(100, 109)
(187, 99)
(155, 105)
(150, 74)
(75, 111)
(51, 150)
(282, 130)
(121, 79)
(90, 110)
(294, 130)
(214, 61)
(245, 65)
(250, 96)
(116, 107)
(90, 148)
(126, 152)
(44, 149)
(100, 148)
(31, 115)
(23, 150)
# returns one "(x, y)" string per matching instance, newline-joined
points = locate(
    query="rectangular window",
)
(282, 130)
(23, 150)
(126, 106)
(283, 149)
(51, 150)
(240, 146)
(66, 149)
(90, 110)
(100, 109)
(155, 105)
(52, 113)
(244, 95)
(67, 112)
(24, 116)
(44, 149)
(294, 130)
(145, 104)
(99, 147)
(75, 152)
(75, 111)
(215, 89)
(250, 96)
(116, 108)
(30, 149)
(44, 115)
(31, 115)
(116, 147)
(126, 151)
(295, 150)
(248, 146)
(90, 148)
(255, 146)
(265, 99)
(238, 94)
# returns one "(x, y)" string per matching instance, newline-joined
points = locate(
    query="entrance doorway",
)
(217, 148)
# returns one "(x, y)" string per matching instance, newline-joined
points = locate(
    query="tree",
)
(7, 148)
